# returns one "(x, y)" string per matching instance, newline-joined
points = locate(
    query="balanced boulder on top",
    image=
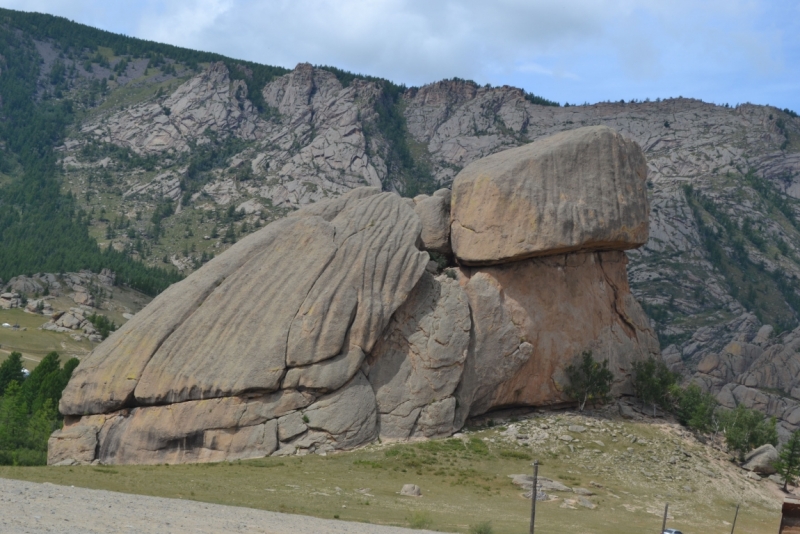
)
(577, 190)
(329, 328)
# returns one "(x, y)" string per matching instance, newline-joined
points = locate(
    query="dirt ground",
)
(27, 507)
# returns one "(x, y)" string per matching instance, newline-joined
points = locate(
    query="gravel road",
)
(28, 507)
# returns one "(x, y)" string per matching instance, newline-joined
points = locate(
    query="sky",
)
(576, 51)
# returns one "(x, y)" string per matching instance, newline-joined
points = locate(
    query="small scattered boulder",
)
(411, 490)
(542, 483)
(83, 298)
(577, 428)
(10, 300)
(761, 460)
(626, 412)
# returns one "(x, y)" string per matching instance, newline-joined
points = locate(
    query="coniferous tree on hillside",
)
(788, 465)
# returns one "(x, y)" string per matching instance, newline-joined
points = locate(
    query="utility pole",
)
(664, 523)
(735, 517)
(533, 494)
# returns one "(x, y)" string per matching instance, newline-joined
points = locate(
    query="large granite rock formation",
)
(329, 328)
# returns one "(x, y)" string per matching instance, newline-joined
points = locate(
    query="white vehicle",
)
(6, 325)
(25, 372)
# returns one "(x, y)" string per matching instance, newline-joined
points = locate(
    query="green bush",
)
(420, 520)
(694, 407)
(482, 528)
(653, 383)
(589, 381)
(103, 324)
(747, 429)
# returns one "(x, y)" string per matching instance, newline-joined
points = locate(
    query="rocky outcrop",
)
(418, 363)
(10, 300)
(758, 372)
(531, 317)
(209, 101)
(434, 214)
(761, 460)
(582, 189)
(238, 324)
(327, 329)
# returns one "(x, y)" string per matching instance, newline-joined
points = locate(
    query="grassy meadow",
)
(633, 468)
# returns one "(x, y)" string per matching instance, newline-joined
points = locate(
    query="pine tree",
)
(11, 371)
(41, 425)
(13, 418)
(32, 387)
(788, 465)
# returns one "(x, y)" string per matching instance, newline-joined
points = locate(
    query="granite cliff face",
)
(331, 327)
(724, 248)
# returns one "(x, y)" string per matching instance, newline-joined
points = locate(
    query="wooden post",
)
(533, 494)
(735, 517)
(664, 523)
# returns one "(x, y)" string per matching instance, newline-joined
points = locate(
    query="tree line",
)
(29, 407)
(39, 228)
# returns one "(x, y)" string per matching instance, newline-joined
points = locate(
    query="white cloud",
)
(571, 48)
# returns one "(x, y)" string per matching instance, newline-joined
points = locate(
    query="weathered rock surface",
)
(209, 101)
(757, 372)
(434, 213)
(420, 360)
(252, 322)
(583, 189)
(761, 460)
(197, 431)
(329, 328)
(532, 318)
(236, 325)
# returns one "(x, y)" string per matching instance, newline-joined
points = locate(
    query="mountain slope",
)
(169, 155)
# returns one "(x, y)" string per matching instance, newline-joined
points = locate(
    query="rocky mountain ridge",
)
(322, 140)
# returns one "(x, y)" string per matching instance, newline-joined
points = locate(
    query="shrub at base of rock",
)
(326, 330)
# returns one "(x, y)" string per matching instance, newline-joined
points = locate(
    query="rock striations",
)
(331, 327)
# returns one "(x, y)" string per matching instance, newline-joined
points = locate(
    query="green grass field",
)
(465, 482)
(35, 344)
